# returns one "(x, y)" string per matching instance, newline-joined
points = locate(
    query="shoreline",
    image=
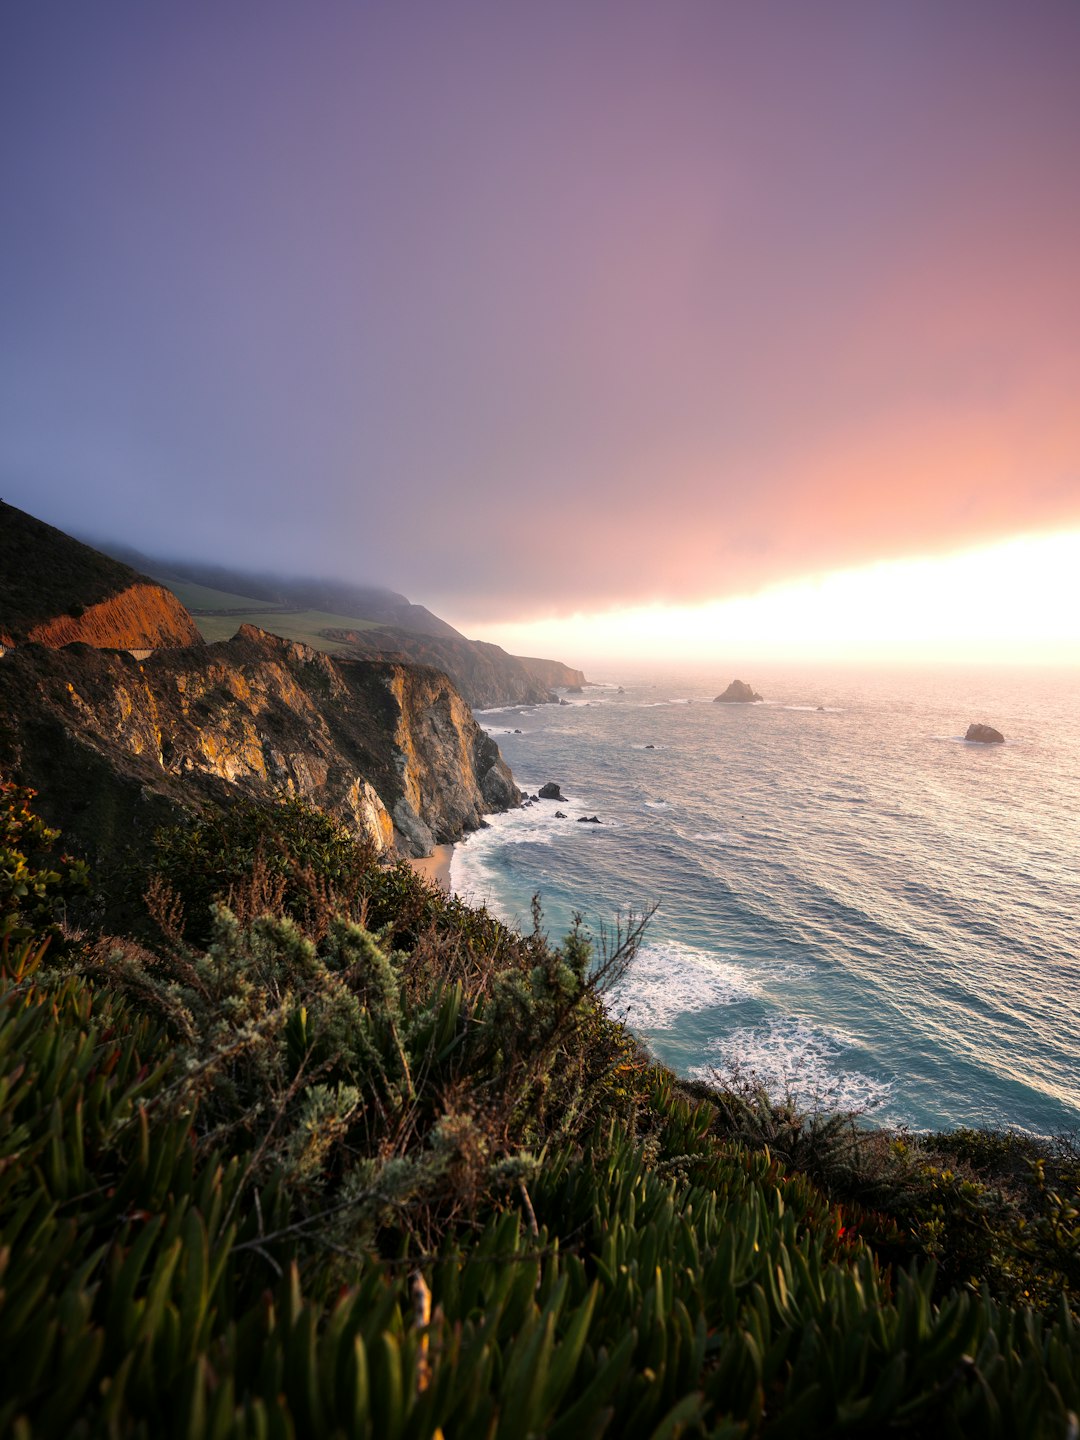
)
(435, 868)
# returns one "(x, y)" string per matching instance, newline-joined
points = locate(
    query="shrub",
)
(288, 857)
(35, 884)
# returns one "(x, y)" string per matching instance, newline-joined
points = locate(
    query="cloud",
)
(535, 313)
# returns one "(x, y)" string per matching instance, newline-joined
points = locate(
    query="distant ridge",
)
(366, 620)
(54, 590)
(338, 597)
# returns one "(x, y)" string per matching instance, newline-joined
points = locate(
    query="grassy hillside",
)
(220, 613)
(373, 1165)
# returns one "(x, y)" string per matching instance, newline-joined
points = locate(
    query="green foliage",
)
(300, 858)
(35, 883)
(994, 1211)
(401, 1176)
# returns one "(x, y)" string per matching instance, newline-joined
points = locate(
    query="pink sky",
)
(536, 309)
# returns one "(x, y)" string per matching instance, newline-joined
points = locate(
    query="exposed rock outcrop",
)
(985, 735)
(552, 674)
(56, 591)
(738, 693)
(550, 791)
(485, 674)
(145, 616)
(117, 747)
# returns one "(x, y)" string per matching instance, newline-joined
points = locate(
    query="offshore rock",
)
(550, 791)
(738, 693)
(985, 735)
(117, 747)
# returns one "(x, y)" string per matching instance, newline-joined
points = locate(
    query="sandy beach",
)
(436, 866)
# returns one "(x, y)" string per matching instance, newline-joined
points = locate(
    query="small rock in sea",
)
(650, 747)
(821, 707)
(589, 820)
(620, 691)
(517, 732)
(563, 702)
(737, 693)
(536, 798)
(985, 735)
(559, 815)
(550, 791)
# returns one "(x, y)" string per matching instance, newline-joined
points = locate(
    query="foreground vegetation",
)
(344, 1157)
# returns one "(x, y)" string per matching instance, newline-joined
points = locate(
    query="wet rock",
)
(984, 735)
(550, 791)
(589, 820)
(559, 815)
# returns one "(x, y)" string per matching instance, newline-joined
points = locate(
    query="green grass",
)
(202, 597)
(219, 614)
(302, 625)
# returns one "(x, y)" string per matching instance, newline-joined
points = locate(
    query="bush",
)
(35, 884)
(289, 858)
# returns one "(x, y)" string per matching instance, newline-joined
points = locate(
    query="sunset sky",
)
(562, 310)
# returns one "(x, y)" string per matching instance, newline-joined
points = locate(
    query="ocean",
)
(854, 903)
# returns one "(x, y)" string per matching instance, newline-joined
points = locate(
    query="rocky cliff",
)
(55, 591)
(551, 673)
(117, 747)
(485, 674)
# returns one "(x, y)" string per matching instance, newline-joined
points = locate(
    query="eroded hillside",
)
(116, 746)
(55, 591)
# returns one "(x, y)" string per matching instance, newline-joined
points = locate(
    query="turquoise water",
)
(853, 902)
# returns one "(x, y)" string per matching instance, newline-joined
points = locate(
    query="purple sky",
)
(533, 307)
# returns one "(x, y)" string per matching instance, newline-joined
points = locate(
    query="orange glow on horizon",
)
(1016, 602)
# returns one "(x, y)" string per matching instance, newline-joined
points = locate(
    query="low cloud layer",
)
(532, 312)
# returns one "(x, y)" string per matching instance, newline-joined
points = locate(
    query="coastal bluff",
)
(116, 747)
(486, 674)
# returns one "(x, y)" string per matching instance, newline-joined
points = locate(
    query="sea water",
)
(854, 903)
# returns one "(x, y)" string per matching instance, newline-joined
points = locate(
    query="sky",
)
(560, 316)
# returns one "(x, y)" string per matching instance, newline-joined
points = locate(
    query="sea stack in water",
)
(985, 735)
(550, 791)
(738, 693)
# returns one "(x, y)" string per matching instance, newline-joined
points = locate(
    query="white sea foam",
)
(668, 980)
(791, 1056)
(658, 804)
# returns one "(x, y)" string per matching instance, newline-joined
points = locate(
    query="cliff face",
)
(485, 674)
(145, 616)
(54, 591)
(117, 747)
(551, 673)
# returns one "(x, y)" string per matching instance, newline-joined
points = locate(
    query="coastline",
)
(435, 868)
